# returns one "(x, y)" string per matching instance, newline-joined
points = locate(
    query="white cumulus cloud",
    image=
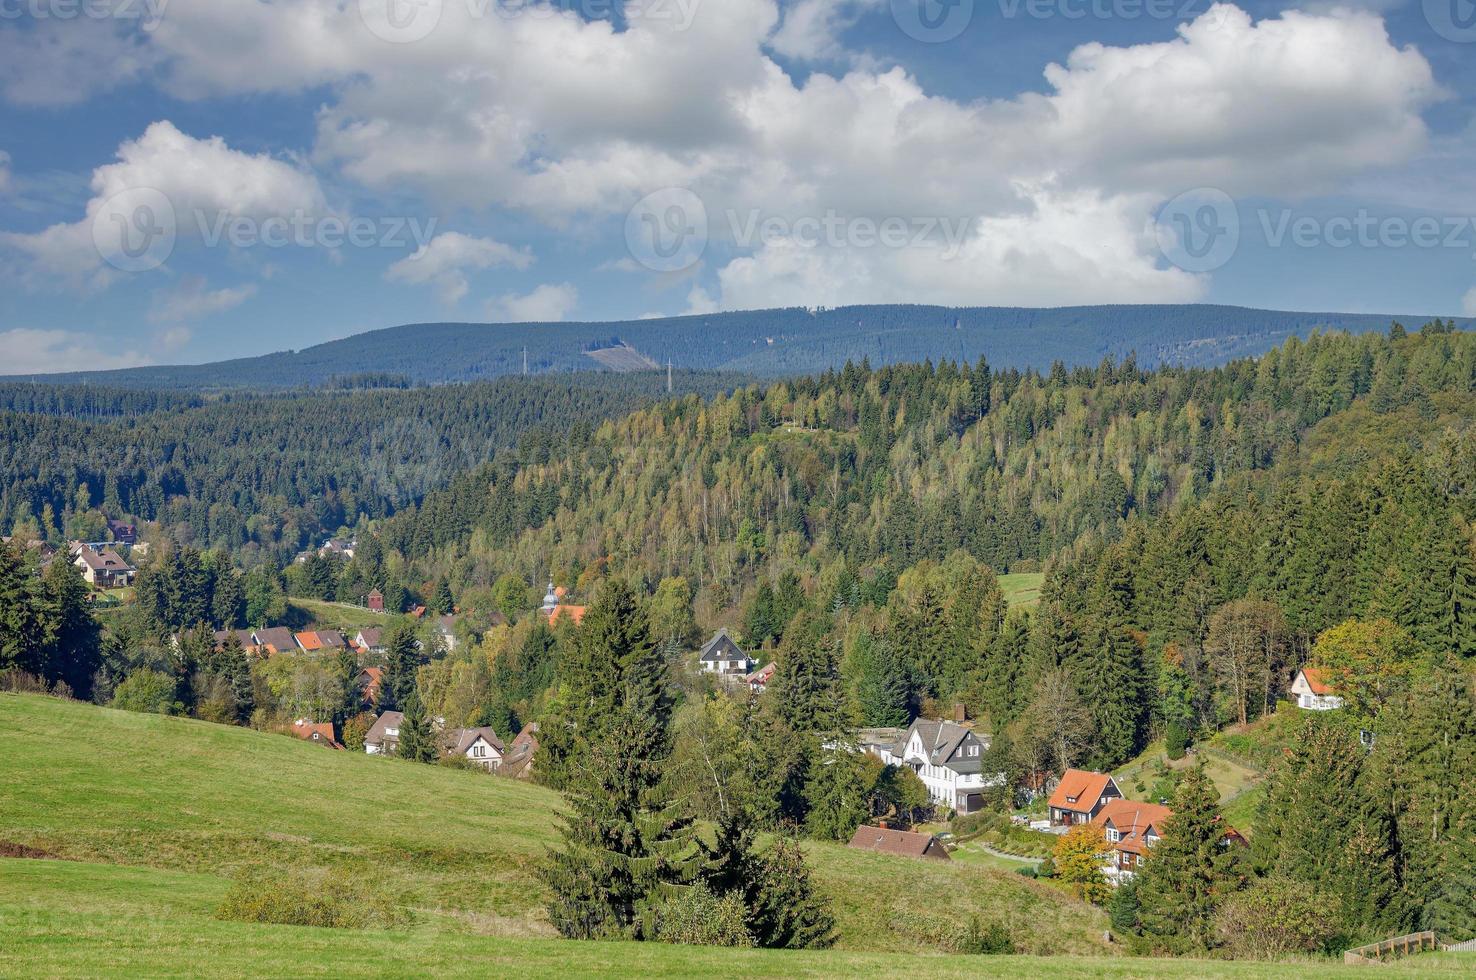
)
(27, 351)
(193, 300)
(445, 260)
(549, 303)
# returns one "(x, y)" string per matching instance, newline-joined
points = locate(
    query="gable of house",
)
(1081, 791)
(722, 648)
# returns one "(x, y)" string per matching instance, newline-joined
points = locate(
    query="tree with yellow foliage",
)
(1078, 861)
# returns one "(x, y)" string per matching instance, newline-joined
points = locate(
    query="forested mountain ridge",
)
(769, 343)
(911, 462)
(272, 474)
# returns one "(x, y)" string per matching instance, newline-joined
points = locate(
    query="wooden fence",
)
(1415, 942)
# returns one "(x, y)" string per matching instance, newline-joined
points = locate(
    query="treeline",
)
(264, 477)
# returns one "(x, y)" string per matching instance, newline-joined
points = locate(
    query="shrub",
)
(697, 917)
(331, 900)
(1275, 917)
(991, 940)
(1026, 871)
(148, 691)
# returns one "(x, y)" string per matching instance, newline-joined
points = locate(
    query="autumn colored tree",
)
(1079, 857)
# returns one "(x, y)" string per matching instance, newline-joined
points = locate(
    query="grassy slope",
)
(69, 919)
(1235, 760)
(180, 795)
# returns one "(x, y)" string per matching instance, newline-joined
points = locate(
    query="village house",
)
(370, 640)
(383, 736)
(275, 639)
(948, 757)
(883, 840)
(517, 763)
(246, 638)
(1080, 796)
(102, 567)
(723, 656)
(317, 733)
(1131, 829)
(480, 745)
(758, 681)
(446, 633)
(368, 685)
(321, 641)
(123, 533)
(1313, 692)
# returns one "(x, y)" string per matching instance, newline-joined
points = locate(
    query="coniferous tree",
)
(884, 685)
(784, 910)
(417, 736)
(626, 848)
(1187, 873)
(75, 639)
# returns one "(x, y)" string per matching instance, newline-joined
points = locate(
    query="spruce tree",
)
(75, 648)
(626, 847)
(417, 737)
(1186, 874)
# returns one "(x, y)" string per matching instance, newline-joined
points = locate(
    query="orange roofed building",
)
(1313, 692)
(1131, 828)
(1080, 796)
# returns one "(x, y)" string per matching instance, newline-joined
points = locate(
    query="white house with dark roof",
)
(949, 759)
(722, 655)
(480, 745)
(102, 567)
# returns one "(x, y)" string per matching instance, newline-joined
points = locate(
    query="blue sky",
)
(179, 179)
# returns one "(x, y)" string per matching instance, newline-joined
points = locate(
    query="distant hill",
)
(767, 342)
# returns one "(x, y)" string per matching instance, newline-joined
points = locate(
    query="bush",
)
(330, 900)
(991, 940)
(697, 917)
(1276, 917)
(1026, 872)
(148, 691)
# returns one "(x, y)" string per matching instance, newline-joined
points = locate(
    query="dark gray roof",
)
(942, 741)
(464, 738)
(722, 646)
(278, 636)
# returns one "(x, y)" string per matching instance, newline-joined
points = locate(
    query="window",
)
(1113, 835)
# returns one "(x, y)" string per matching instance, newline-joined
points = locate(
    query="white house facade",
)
(1313, 693)
(948, 758)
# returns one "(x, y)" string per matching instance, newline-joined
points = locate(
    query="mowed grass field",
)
(458, 848)
(65, 919)
(158, 814)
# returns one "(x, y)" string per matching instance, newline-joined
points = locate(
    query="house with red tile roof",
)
(317, 733)
(1131, 828)
(884, 840)
(561, 611)
(1313, 692)
(1080, 796)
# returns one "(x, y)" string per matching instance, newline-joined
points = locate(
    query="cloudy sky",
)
(185, 180)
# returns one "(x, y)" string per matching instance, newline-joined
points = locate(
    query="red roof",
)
(309, 641)
(1131, 820)
(1317, 681)
(321, 733)
(1079, 790)
(575, 613)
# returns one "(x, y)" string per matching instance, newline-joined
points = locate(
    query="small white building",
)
(723, 655)
(948, 758)
(1312, 691)
(480, 745)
